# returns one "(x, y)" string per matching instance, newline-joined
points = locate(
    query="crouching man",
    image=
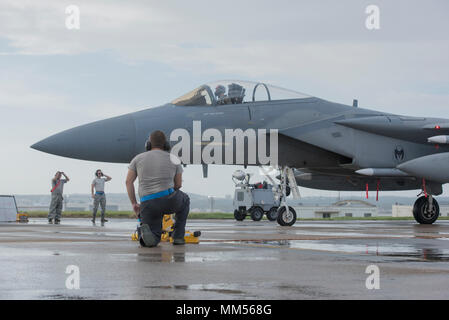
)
(160, 179)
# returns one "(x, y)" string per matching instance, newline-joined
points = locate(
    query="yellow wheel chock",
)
(167, 231)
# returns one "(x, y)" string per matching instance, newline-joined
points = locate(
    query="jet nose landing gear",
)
(426, 210)
(286, 215)
(286, 218)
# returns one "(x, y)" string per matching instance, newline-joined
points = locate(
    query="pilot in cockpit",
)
(220, 94)
(236, 94)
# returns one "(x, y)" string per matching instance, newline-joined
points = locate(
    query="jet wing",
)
(339, 135)
(324, 134)
(418, 130)
(336, 134)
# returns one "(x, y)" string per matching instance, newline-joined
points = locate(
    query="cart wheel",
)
(239, 216)
(272, 214)
(286, 218)
(256, 213)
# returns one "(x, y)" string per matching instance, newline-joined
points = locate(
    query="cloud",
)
(321, 48)
(322, 45)
(292, 39)
(22, 97)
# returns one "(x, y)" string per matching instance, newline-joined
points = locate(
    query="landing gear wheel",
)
(286, 218)
(239, 215)
(272, 215)
(423, 214)
(256, 213)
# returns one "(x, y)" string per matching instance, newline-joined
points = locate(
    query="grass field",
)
(203, 215)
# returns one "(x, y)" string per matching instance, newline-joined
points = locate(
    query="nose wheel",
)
(286, 218)
(286, 215)
(426, 210)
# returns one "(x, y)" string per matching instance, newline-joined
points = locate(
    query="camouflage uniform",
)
(55, 211)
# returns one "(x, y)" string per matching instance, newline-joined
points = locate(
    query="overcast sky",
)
(132, 55)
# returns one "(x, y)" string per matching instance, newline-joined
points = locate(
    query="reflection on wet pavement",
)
(212, 287)
(311, 260)
(238, 290)
(168, 256)
(385, 249)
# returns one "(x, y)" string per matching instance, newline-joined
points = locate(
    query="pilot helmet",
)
(220, 90)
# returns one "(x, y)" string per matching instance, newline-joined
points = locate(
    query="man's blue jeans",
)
(152, 212)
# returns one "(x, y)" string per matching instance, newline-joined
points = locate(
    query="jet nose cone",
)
(40, 146)
(110, 140)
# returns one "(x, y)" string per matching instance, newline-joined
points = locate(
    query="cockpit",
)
(229, 92)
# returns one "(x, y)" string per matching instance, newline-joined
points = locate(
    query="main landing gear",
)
(426, 210)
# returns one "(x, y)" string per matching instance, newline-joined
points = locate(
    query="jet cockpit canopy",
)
(235, 92)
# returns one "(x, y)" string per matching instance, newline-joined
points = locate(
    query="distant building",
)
(344, 208)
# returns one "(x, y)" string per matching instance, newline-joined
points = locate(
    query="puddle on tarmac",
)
(292, 232)
(248, 289)
(113, 223)
(387, 250)
(23, 252)
(98, 234)
(224, 288)
(192, 257)
(336, 234)
(63, 297)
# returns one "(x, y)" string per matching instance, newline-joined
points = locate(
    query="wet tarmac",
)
(235, 260)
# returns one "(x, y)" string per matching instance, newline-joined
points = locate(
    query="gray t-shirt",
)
(60, 188)
(98, 184)
(156, 171)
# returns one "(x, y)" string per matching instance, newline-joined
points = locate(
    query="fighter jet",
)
(329, 145)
